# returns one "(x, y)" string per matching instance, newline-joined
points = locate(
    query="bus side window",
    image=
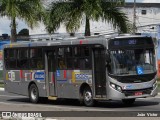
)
(36, 61)
(82, 58)
(61, 58)
(23, 58)
(61, 64)
(69, 57)
(10, 58)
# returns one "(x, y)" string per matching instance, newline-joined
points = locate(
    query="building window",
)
(144, 12)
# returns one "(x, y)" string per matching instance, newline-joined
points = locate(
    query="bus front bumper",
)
(117, 95)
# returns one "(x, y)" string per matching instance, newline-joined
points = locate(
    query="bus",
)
(117, 67)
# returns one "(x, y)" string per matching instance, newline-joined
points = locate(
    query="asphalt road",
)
(13, 102)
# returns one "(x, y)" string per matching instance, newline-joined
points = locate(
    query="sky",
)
(5, 22)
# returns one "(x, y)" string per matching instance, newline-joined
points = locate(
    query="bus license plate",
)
(138, 93)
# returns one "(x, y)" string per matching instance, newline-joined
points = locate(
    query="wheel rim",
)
(88, 96)
(34, 93)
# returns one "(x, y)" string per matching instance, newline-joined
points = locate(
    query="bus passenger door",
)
(99, 72)
(50, 72)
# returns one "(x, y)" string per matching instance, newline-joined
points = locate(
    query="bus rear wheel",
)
(128, 101)
(88, 97)
(33, 93)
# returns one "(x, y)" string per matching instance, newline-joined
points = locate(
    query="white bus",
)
(119, 67)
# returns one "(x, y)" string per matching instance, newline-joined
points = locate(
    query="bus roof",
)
(98, 39)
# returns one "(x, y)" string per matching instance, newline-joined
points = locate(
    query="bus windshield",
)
(132, 62)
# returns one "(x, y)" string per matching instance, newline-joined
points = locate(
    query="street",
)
(13, 102)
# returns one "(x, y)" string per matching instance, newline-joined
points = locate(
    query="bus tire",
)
(128, 101)
(33, 93)
(88, 97)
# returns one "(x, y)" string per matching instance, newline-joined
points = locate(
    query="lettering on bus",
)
(81, 77)
(39, 75)
(128, 87)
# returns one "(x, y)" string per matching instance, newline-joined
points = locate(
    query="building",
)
(147, 19)
(147, 16)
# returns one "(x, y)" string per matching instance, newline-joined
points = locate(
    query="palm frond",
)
(73, 23)
(115, 16)
(71, 14)
(59, 13)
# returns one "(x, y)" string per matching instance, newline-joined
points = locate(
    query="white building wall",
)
(152, 18)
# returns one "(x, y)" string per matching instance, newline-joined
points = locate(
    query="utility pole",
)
(134, 17)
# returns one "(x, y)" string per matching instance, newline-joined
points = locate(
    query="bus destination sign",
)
(126, 42)
(134, 42)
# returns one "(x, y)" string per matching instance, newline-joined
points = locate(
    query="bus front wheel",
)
(88, 97)
(33, 93)
(128, 101)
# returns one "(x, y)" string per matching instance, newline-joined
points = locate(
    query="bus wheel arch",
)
(33, 92)
(86, 95)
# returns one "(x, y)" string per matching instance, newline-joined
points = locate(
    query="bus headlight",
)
(113, 85)
(116, 87)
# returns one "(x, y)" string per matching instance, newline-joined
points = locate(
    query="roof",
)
(130, 5)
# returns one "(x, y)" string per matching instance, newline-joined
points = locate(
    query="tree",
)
(73, 12)
(29, 11)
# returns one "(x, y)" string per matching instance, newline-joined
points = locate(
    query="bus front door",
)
(50, 73)
(99, 73)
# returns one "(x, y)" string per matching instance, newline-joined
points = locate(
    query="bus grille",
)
(132, 92)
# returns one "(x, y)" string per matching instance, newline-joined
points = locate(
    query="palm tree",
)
(29, 11)
(73, 12)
